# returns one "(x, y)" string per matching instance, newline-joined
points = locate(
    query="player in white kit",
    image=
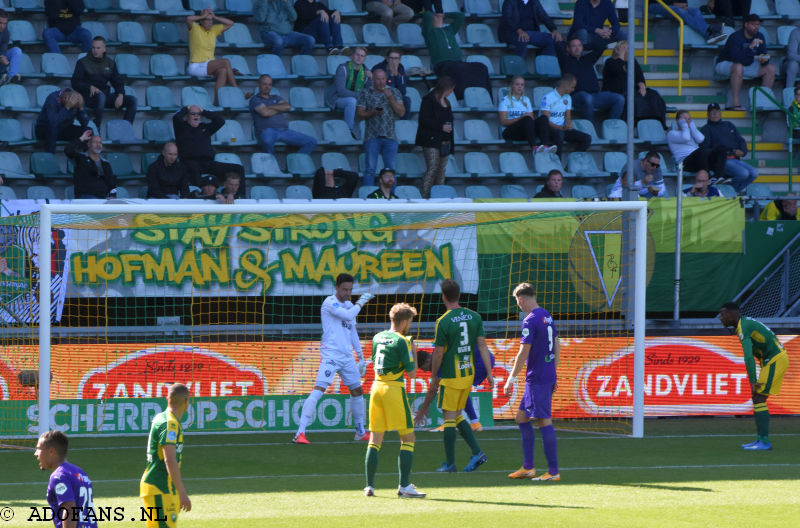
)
(339, 340)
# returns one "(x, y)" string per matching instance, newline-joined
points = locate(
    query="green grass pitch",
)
(685, 473)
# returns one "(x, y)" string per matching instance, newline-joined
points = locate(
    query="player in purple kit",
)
(540, 347)
(69, 492)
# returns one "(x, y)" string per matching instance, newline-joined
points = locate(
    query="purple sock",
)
(469, 408)
(550, 448)
(528, 438)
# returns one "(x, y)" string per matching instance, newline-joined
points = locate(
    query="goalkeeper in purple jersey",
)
(539, 348)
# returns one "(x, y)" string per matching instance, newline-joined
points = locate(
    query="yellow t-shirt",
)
(202, 42)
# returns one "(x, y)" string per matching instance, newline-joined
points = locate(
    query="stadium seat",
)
(650, 131)
(148, 158)
(231, 98)
(443, 191)
(480, 9)
(476, 192)
(582, 164)
(122, 192)
(160, 98)
(119, 131)
(300, 165)
(410, 36)
(44, 90)
(239, 7)
(336, 132)
(302, 98)
(238, 36)
(546, 67)
(335, 160)
(131, 33)
(513, 164)
(239, 63)
(763, 103)
(304, 127)
(477, 132)
(263, 192)
(538, 94)
(45, 166)
(476, 98)
(346, 7)
(415, 98)
(553, 9)
(40, 192)
(98, 29)
(584, 125)
(788, 9)
(482, 36)
(232, 134)
(373, 60)
(199, 5)
(366, 190)
(26, 68)
(196, 95)
(273, 65)
(783, 33)
(7, 193)
(615, 131)
(761, 8)
(547, 161)
(56, 66)
(333, 61)
(406, 131)
(306, 67)
(138, 7)
(12, 132)
(101, 7)
(228, 157)
(514, 191)
(377, 35)
(14, 97)
(407, 192)
(479, 165)
(266, 166)
(121, 165)
(788, 96)
(298, 192)
(409, 60)
(727, 191)
(164, 67)
(166, 34)
(129, 66)
(452, 170)
(483, 59)
(23, 33)
(171, 8)
(349, 36)
(760, 190)
(410, 165)
(157, 131)
(28, 5)
(584, 192)
(513, 65)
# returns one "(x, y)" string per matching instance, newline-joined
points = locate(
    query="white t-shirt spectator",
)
(515, 107)
(557, 104)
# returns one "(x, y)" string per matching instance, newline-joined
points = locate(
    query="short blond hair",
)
(525, 289)
(402, 312)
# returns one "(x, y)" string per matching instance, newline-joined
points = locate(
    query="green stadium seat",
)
(513, 65)
(43, 90)
(333, 61)
(480, 9)
(349, 36)
(171, 8)
(14, 97)
(166, 35)
(121, 165)
(22, 32)
(45, 166)
(56, 66)
(26, 68)
(335, 160)
(101, 7)
(727, 191)
(12, 132)
(452, 170)
(406, 131)
(239, 7)
(410, 165)
(410, 36)
(538, 94)
(650, 131)
(476, 98)
(304, 127)
(273, 65)
(160, 98)
(546, 67)
(443, 191)
(196, 95)
(373, 60)
(479, 165)
(228, 157)
(238, 36)
(482, 36)
(157, 131)
(137, 7)
(477, 132)
(28, 5)
(266, 166)
(583, 165)
(98, 29)
(514, 191)
(232, 134)
(547, 161)
(40, 192)
(366, 190)
(263, 192)
(239, 63)
(199, 5)
(584, 125)
(302, 98)
(336, 132)
(377, 35)
(476, 192)
(298, 192)
(346, 7)
(513, 164)
(416, 99)
(232, 98)
(129, 65)
(409, 60)
(164, 67)
(761, 8)
(584, 192)
(120, 132)
(483, 59)
(306, 67)
(300, 165)
(407, 192)
(553, 9)
(148, 158)
(131, 33)
(615, 131)
(7, 193)
(788, 9)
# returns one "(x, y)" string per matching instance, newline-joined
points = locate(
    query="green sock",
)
(761, 414)
(371, 463)
(450, 441)
(404, 461)
(469, 436)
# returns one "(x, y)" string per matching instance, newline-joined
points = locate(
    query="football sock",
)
(309, 409)
(550, 449)
(469, 436)
(470, 410)
(358, 409)
(371, 463)
(761, 414)
(450, 442)
(528, 439)
(404, 461)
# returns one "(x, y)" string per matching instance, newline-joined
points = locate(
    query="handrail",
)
(753, 134)
(680, 38)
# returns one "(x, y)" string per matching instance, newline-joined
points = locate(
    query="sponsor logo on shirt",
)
(525, 332)
(61, 488)
(172, 436)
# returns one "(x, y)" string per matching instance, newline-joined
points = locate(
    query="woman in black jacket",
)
(647, 103)
(435, 133)
(92, 176)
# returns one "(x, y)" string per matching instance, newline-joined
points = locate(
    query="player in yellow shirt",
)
(161, 487)
(203, 33)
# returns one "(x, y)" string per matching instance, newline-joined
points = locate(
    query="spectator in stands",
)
(726, 9)
(350, 78)
(193, 137)
(587, 96)
(392, 12)
(315, 19)
(270, 123)
(64, 24)
(725, 134)
(515, 114)
(792, 56)
(167, 176)
(277, 26)
(54, 123)
(519, 27)
(95, 76)
(208, 188)
(9, 57)
(385, 185)
(744, 55)
(687, 147)
(554, 125)
(231, 189)
(379, 106)
(702, 187)
(589, 24)
(446, 53)
(203, 33)
(333, 184)
(435, 133)
(552, 186)
(692, 17)
(648, 181)
(782, 209)
(395, 76)
(648, 103)
(92, 175)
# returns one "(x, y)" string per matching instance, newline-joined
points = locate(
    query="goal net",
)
(226, 298)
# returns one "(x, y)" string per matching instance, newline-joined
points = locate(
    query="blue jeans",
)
(741, 173)
(13, 55)
(540, 39)
(586, 103)
(387, 148)
(103, 100)
(592, 41)
(348, 104)
(329, 34)
(292, 39)
(692, 17)
(79, 35)
(269, 136)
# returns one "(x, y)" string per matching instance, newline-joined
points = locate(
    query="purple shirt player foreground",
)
(69, 492)
(539, 348)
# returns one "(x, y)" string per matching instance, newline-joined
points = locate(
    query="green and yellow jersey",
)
(458, 331)
(166, 430)
(392, 356)
(758, 341)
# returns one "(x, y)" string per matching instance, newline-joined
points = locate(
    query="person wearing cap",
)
(744, 56)
(208, 187)
(385, 185)
(724, 133)
(332, 184)
(702, 187)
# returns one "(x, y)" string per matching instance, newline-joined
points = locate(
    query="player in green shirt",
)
(393, 355)
(458, 332)
(161, 487)
(758, 342)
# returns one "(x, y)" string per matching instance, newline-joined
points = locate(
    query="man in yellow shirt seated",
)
(203, 33)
